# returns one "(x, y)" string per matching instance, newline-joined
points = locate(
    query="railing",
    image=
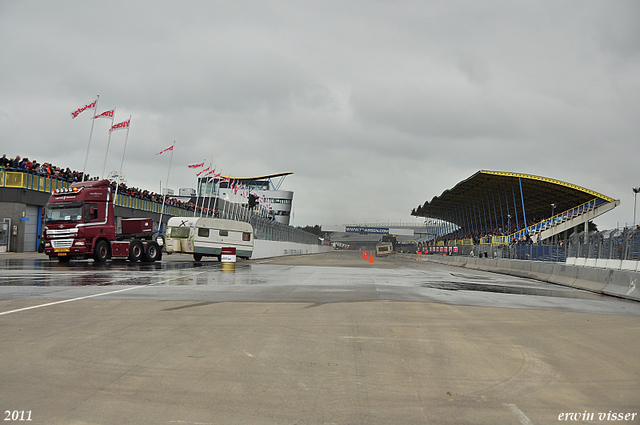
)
(557, 219)
(24, 180)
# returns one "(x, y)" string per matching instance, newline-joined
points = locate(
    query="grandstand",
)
(495, 207)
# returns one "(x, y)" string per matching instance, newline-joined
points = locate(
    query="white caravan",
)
(207, 236)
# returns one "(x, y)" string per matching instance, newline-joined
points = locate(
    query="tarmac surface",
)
(315, 339)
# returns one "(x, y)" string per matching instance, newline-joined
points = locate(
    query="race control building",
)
(235, 190)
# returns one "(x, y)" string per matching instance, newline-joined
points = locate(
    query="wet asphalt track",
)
(319, 339)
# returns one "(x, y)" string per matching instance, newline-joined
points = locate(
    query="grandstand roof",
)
(267, 176)
(495, 188)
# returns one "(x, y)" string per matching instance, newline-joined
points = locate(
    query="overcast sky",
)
(375, 106)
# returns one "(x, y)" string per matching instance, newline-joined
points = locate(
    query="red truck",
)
(80, 223)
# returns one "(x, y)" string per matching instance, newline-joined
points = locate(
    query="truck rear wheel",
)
(153, 252)
(101, 252)
(136, 251)
(197, 257)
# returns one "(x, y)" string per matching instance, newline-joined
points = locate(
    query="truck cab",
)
(80, 223)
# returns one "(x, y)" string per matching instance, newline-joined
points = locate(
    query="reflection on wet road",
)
(273, 280)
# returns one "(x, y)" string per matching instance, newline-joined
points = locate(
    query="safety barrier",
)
(23, 180)
(619, 283)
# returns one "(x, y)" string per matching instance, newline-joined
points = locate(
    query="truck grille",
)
(61, 243)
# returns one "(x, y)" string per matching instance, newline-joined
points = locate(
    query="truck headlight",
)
(79, 243)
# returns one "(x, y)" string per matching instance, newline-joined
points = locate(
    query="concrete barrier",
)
(563, 274)
(592, 279)
(542, 270)
(629, 265)
(624, 284)
(267, 249)
(610, 281)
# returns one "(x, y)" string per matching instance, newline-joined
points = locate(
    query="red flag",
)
(84, 108)
(121, 126)
(106, 114)
(170, 148)
(196, 165)
(203, 171)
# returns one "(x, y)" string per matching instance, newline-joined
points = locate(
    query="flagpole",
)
(93, 121)
(213, 191)
(122, 160)
(202, 207)
(195, 208)
(108, 143)
(166, 188)
(209, 180)
(203, 195)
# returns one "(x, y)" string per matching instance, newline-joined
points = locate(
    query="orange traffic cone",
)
(370, 257)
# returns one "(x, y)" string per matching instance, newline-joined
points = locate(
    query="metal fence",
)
(264, 227)
(267, 229)
(555, 252)
(617, 244)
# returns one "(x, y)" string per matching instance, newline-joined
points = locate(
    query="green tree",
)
(316, 230)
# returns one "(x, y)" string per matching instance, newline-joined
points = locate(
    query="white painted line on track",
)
(524, 420)
(94, 295)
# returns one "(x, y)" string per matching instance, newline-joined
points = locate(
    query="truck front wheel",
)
(101, 252)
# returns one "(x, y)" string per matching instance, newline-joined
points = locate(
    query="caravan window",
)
(203, 232)
(178, 232)
(246, 236)
(224, 233)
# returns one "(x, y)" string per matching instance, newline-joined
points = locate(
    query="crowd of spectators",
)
(499, 231)
(44, 169)
(48, 170)
(134, 192)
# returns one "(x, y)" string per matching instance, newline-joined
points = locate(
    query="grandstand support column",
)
(501, 213)
(491, 225)
(506, 202)
(495, 210)
(459, 220)
(524, 213)
(479, 217)
(484, 214)
(515, 205)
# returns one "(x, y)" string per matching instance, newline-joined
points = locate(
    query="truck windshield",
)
(178, 232)
(70, 212)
